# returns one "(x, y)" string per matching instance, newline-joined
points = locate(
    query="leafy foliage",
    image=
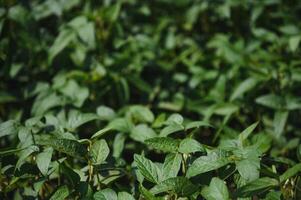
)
(161, 99)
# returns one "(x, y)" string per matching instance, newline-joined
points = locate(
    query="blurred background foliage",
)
(228, 62)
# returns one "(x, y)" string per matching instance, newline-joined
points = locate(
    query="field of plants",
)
(150, 99)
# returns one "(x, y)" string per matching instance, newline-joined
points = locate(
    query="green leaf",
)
(243, 87)
(125, 196)
(165, 144)
(24, 154)
(61, 42)
(76, 119)
(245, 134)
(279, 122)
(207, 163)
(172, 165)
(105, 113)
(142, 132)
(61, 193)
(8, 128)
(69, 147)
(271, 101)
(256, 187)
(290, 172)
(248, 169)
(121, 124)
(197, 124)
(99, 152)
(148, 169)
(43, 160)
(294, 42)
(141, 114)
(172, 128)
(217, 190)
(147, 194)
(118, 145)
(105, 194)
(189, 145)
(101, 132)
(179, 185)
(175, 118)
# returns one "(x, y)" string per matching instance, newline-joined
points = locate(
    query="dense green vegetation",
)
(140, 99)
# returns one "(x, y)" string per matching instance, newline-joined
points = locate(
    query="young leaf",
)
(207, 163)
(124, 196)
(256, 187)
(61, 193)
(179, 185)
(105, 194)
(148, 169)
(147, 194)
(217, 190)
(8, 128)
(43, 160)
(245, 134)
(189, 145)
(197, 124)
(99, 152)
(165, 144)
(171, 128)
(172, 165)
(142, 132)
(105, 113)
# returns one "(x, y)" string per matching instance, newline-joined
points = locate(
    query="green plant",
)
(162, 99)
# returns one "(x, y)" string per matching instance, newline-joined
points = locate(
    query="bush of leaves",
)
(161, 99)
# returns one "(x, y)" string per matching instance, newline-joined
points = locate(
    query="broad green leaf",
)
(179, 185)
(248, 169)
(99, 152)
(105, 113)
(290, 172)
(217, 190)
(256, 187)
(207, 163)
(71, 175)
(43, 160)
(172, 128)
(175, 118)
(172, 165)
(121, 124)
(165, 144)
(148, 169)
(197, 124)
(125, 196)
(69, 147)
(294, 42)
(105, 194)
(189, 145)
(61, 193)
(141, 113)
(8, 128)
(142, 132)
